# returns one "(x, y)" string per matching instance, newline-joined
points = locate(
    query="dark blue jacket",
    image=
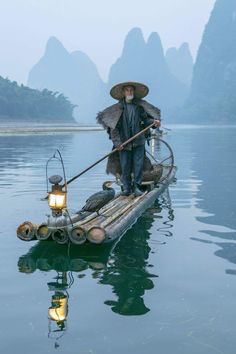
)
(123, 131)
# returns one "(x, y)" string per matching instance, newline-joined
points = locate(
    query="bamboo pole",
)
(97, 233)
(102, 212)
(60, 236)
(120, 212)
(43, 232)
(110, 153)
(118, 148)
(77, 235)
(26, 231)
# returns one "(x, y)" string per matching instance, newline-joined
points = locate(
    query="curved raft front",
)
(113, 221)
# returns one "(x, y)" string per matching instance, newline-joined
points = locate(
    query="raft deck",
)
(114, 219)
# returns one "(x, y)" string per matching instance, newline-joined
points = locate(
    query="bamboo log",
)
(98, 219)
(64, 221)
(121, 211)
(109, 205)
(96, 234)
(77, 235)
(102, 211)
(26, 231)
(60, 236)
(128, 218)
(43, 232)
(82, 219)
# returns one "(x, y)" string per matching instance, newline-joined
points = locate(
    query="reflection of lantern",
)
(59, 309)
(57, 197)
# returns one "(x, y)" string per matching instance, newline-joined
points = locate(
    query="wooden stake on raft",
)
(26, 231)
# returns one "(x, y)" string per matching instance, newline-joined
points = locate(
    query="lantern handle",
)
(60, 159)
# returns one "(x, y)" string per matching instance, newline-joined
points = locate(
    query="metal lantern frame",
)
(58, 157)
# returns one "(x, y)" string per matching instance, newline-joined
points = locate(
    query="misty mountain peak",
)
(180, 63)
(134, 41)
(213, 89)
(78, 54)
(184, 47)
(185, 53)
(154, 41)
(54, 46)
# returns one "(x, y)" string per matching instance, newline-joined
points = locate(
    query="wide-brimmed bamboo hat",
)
(140, 90)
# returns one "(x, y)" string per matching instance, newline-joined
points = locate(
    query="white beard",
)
(129, 98)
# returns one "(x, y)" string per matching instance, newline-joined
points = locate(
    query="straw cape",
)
(111, 115)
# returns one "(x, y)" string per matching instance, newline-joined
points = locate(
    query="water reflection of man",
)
(127, 271)
(128, 275)
(124, 120)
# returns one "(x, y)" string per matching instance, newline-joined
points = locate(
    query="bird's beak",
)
(110, 183)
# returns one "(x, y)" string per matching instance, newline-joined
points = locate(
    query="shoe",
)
(137, 192)
(125, 193)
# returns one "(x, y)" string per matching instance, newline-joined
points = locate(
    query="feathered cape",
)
(111, 115)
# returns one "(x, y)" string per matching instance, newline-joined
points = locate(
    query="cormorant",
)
(96, 201)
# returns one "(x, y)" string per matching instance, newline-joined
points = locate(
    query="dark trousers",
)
(132, 162)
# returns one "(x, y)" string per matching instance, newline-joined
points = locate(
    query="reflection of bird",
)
(96, 201)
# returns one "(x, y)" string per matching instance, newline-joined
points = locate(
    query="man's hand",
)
(157, 123)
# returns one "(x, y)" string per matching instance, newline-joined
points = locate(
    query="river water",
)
(168, 286)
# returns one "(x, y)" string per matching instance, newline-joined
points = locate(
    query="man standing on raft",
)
(122, 121)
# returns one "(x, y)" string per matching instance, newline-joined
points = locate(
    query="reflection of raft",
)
(46, 256)
(114, 219)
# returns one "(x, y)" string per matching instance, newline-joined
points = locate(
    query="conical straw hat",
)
(140, 90)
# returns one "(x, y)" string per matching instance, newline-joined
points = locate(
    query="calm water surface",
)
(168, 286)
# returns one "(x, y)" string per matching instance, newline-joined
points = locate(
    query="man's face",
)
(129, 92)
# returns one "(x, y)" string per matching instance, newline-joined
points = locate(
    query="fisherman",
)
(122, 121)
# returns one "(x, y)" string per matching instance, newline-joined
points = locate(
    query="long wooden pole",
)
(107, 155)
(110, 153)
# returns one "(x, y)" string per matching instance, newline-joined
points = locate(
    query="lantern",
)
(57, 197)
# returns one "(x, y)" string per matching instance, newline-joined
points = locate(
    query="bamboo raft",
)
(114, 219)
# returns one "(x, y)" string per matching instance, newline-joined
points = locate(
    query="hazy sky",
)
(97, 27)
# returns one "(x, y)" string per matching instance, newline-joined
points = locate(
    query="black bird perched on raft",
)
(97, 200)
